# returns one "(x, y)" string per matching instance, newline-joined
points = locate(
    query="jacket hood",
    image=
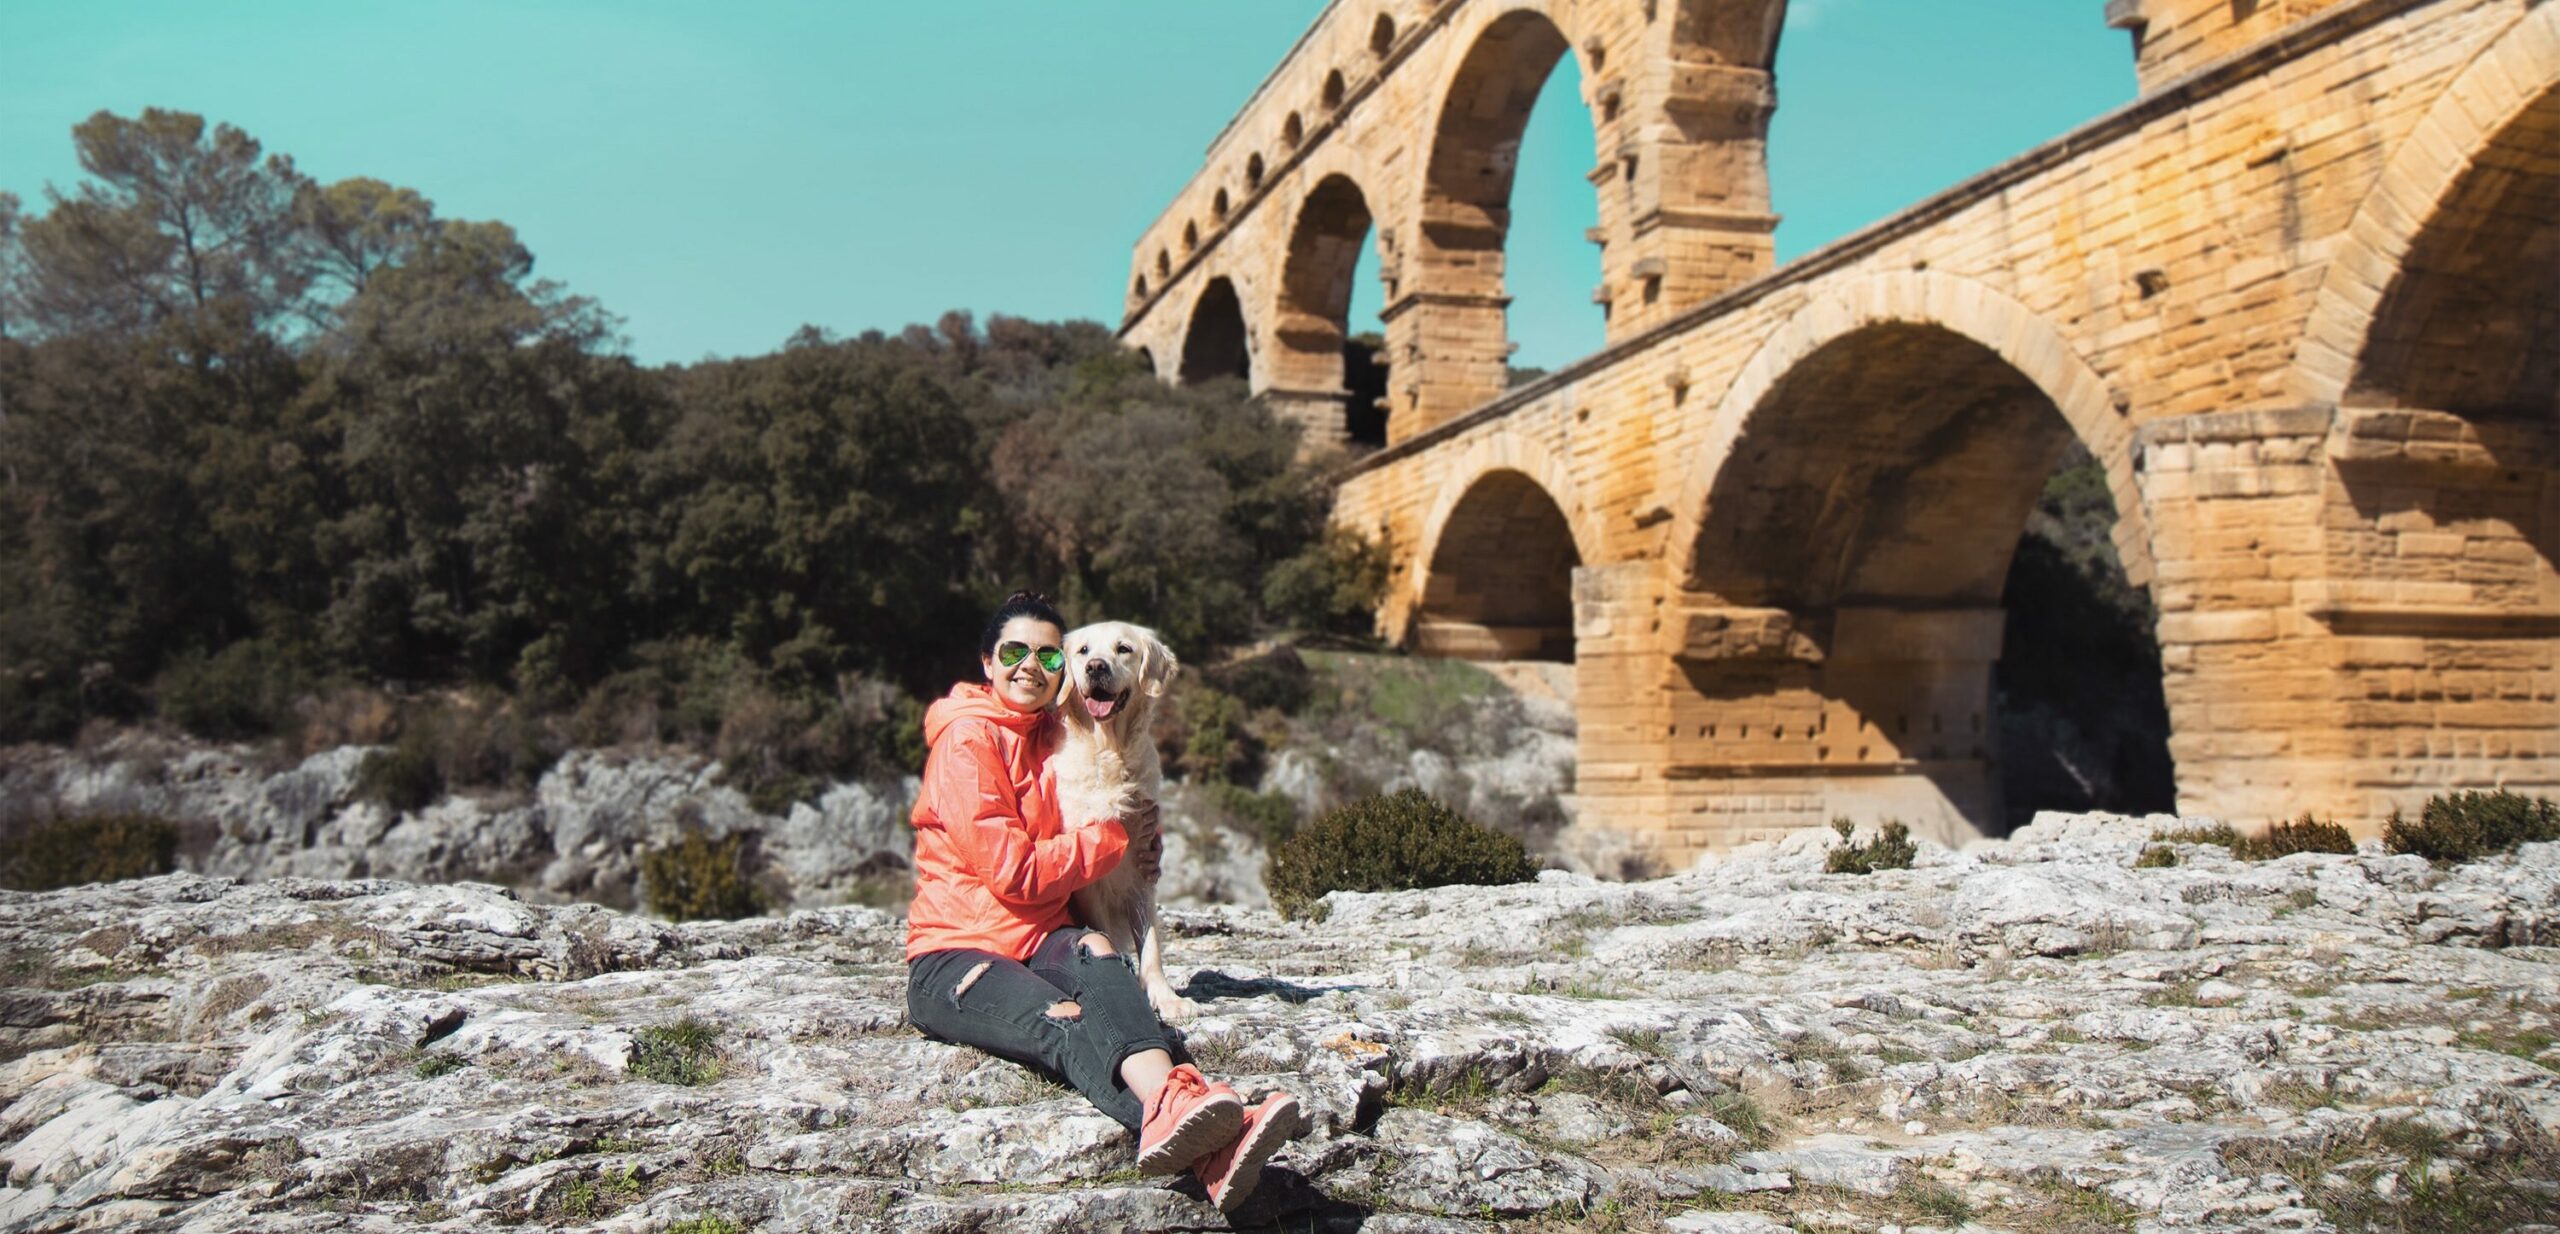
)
(969, 700)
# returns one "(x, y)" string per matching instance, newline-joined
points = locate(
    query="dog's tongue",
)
(1101, 708)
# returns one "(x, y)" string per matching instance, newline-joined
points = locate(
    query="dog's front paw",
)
(1170, 1007)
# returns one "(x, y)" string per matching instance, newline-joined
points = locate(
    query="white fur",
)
(1108, 768)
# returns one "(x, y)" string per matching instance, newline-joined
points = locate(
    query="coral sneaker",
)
(1189, 1117)
(1231, 1173)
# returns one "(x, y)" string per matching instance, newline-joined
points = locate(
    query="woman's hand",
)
(1146, 840)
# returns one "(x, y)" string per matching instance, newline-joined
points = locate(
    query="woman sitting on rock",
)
(993, 959)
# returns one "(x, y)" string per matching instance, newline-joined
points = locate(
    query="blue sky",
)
(719, 175)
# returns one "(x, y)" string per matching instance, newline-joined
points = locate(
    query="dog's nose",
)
(1098, 668)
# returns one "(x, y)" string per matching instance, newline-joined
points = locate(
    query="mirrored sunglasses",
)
(1051, 658)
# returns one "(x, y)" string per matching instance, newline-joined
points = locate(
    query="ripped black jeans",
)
(1006, 1013)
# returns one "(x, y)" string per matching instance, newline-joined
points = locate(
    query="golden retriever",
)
(1107, 767)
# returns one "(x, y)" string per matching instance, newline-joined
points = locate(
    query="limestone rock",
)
(2250, 1046)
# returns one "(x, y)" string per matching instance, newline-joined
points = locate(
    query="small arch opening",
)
(1330, 250)
(1140, 290)
(1292, 131)
(1253, 169)
(1218, 206)
(1190, 238)
(1334, 88)
(1215, 348)
(1164, 264)
(1382, 36)
(1501, 583)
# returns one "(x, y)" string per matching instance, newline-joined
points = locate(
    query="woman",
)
(993, 959)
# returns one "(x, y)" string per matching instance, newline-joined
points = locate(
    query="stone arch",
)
(1474, 147)
(1961, 308)
(1382, 35)
(1861, 499)
(2511, 82)
(1494, 578)
(2437, 336)
(1216, 343)
(1147, 359)
(1311, 316)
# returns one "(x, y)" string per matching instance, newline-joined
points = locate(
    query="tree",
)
(351, 230)
(471, 405)
(825, 496)
(175, 224)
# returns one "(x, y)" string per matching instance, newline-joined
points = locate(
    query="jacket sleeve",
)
(978, 807)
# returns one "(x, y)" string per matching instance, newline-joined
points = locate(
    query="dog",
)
(1108, 768)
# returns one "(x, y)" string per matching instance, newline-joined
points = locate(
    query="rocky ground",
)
(1500, 748)
(2029, 1035)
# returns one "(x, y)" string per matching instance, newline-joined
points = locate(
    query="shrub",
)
(347, 716)
(478, 742)
(1269, 817)
(1332, 586)
(1278, 679)
(404, 777)
(1211, 744)
(1388, 843)
(781, 747)
(95, 848)
(713, 1224)
(2155, 857)
(1891, 849)
(698, 878)
(2466, 826)
(2218, 834)
(245, 690)
(2304, 835)
(437, 1063)
(686, 1052)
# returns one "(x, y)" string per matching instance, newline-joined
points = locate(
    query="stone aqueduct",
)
(2301, 298)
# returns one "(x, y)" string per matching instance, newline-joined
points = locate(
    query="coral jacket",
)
(995, 862)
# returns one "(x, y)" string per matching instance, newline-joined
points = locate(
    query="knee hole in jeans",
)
(1097, 945)
(1065, 1011)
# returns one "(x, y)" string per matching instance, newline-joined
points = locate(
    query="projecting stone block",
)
(1746, 634)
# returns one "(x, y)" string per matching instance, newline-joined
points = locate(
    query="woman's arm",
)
(968, 784)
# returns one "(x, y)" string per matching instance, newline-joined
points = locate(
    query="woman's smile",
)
(1027, 684)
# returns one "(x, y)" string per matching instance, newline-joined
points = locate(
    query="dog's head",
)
(1115, 672)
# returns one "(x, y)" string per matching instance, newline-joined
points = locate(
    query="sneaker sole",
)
(1214, 1122)
(1277, 1126)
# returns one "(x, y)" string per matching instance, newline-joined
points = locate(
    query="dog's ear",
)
(1157, 673)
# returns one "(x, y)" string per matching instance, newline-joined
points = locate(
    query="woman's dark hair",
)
(1020, 604)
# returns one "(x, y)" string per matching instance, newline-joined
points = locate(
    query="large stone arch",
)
(1446, 315)
(2514, 75)
(1844, 563)
(1307, 362)
(1489, 533)
(2436, 338)
(1961, 307)
(1479, 116)
(1217, 341)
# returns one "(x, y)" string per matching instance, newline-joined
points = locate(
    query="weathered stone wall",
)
(2296, 299)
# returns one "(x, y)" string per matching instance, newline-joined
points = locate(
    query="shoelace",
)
(1191, 1082)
